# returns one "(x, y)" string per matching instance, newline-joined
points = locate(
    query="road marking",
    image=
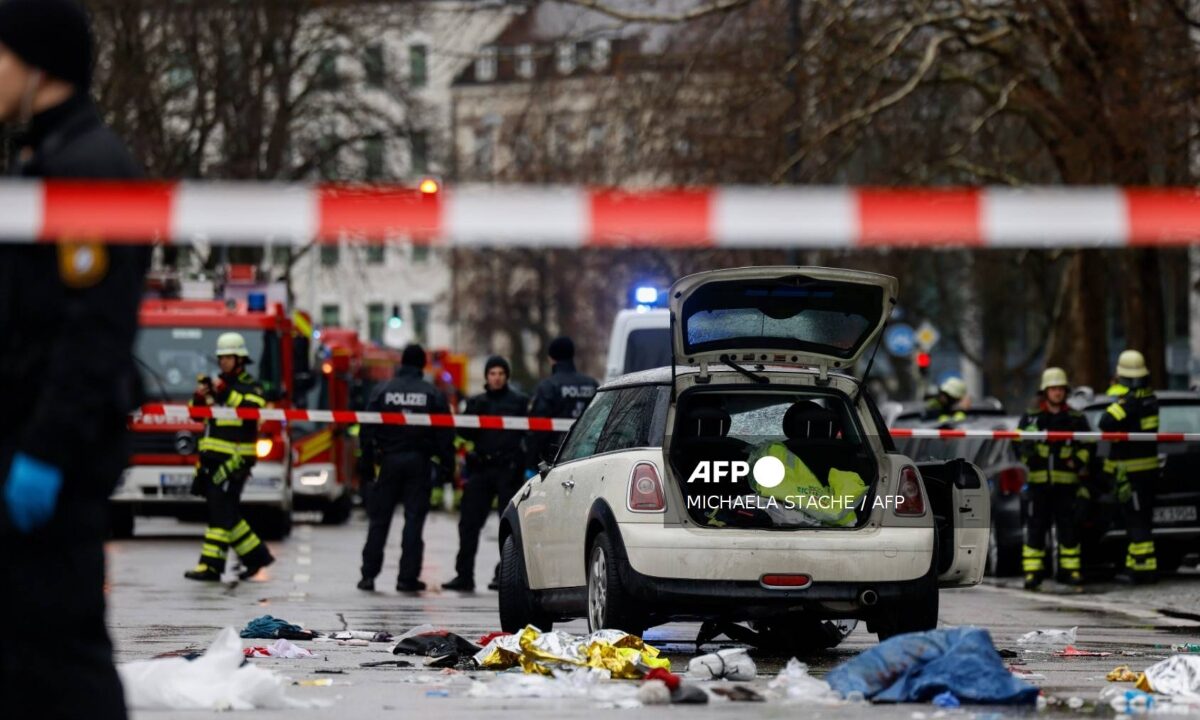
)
(304, 560)
(300, 578)
(297, 596)
(306, 549)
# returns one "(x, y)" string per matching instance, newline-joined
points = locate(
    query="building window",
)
(583, 56)
(375, 254)
(418, 65)
(329, 255)
(331, 315)
(525, 64)
(373, 66)
(418, 143)
(420, 253)
(373, 151)
(601, 53)
(327, 71)
(420, 318)
(281, 255)
(564, 58)
(484, 146)
(375, 321)
(485, 65)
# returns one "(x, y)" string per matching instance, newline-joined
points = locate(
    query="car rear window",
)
(647, 348)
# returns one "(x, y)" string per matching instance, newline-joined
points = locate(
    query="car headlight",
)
(314, 479)
(263, 447)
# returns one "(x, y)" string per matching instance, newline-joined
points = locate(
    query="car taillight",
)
(910, 501)
(1011, 480)
(786, 582)
(646, 489)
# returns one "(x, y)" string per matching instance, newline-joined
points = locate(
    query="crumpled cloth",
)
(623, 655)
(1178, 676)
(281, 648)
(272, 628)
(917, 667)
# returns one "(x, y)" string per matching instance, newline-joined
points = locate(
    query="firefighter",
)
(947, 405)
(227, 455)
(405, 456)
(1054, 484)
(494, 468)
(565, 394)
(1132, 467)
(68, 317)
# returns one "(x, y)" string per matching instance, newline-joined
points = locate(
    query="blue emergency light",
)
(645, 295)
(256, 302)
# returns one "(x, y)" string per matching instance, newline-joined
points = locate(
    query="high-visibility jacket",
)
(832, 503)
(1054, 462)
(935, 410)
(223, 438)
(1135, 411)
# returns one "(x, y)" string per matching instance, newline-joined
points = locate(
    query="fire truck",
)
(175, 345)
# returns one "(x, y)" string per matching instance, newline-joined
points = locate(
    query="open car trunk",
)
(780, 457)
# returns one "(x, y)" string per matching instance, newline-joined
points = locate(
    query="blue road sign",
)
(900, 340)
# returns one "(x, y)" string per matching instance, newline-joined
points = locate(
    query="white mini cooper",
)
(751, 485)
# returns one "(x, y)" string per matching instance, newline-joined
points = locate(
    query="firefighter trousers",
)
(1054, 504)
(488, 482)
(1135, 492)
(403, 478)
(227, 528)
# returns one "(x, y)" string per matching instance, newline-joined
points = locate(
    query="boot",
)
(460, 583)
(409, 586)
(203, 573)
(252, 569)
(1033, 581)
(367, 584)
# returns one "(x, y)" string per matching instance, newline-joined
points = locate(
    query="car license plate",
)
(1174, 514)
(175, 483)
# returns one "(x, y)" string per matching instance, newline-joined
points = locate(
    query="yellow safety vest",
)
(832, 503)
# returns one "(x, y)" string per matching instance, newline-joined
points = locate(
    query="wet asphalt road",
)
(153, 610)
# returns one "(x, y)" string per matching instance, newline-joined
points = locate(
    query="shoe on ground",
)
(1135, 578)
(367, 584)
(1072, 578)
(494, 584)
(461, 584)
(252, 570)
(409, 586)
(203, 573)
(1033, 581)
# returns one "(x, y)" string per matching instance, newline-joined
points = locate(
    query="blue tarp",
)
(916, 667)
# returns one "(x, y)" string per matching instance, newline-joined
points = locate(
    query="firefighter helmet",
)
(1131, 364)
(954, 388)
(1054, 377)
(232, 343)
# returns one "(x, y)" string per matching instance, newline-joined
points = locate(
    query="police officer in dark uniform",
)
(565, 394)
(494, 466)
(404, 454)
(68, 316)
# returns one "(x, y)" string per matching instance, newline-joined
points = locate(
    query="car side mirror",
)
(543, 468)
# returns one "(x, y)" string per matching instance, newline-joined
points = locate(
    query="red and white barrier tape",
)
(182, 413)
(254, 213)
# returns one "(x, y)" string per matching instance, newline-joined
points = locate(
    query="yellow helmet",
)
(232, 343)
(1131, 364)
(954, 387)
(1054, 377)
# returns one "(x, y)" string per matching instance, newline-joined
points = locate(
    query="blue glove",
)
(530, 474)
(31, 491)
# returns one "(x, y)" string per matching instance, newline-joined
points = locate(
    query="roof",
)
(1170, 397)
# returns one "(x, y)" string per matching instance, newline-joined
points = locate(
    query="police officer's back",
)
(403, 454)
(565, 394)
(68, 316)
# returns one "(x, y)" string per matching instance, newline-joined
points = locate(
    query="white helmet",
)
(232, 343)
(1131, 364)
(1054, 377)
(954, 387)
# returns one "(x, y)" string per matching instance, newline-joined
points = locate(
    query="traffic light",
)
(923, 361)
(395, 320)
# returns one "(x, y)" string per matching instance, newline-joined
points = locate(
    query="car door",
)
(961, 503)
(552, 513)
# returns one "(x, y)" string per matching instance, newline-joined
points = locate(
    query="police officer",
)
(68, 316)
(1054, 487)
(494, 467)
(565, 394)
(404, 454)
(946, 406)
(1132, 467)
(227, 455)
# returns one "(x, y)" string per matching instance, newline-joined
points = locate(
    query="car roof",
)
(662, 375)
(1165, 397)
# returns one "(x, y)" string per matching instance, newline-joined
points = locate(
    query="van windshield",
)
(647, 348)
(795, 459)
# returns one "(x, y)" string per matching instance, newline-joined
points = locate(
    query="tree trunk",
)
(1079, 343)
(1143, 310)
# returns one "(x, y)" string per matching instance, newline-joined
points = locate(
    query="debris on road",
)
(1072, 651)
(1127, 701)
(916, 667)
(1047, 639)
(217, 680)
(583, 682)
(794, 683)
(946, 700)
(315, 682)
(678, 692)
(280, 649)
(272, 628)
(386, 663)
(1186, 648)
(623, 655)
(1177, 675)
(367, 635)
(737, 693)
(442, 647)
(731, 664)
(1122, 673)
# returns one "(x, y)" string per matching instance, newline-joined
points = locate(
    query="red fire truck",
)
(175, 344)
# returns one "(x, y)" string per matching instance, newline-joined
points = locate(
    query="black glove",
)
(201, 480)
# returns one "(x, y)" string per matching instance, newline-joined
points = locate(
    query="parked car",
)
(620, 530)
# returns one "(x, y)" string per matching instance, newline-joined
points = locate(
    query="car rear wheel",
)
(915, 614)
(1002, 560)
(517, 607)
(609, 607)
